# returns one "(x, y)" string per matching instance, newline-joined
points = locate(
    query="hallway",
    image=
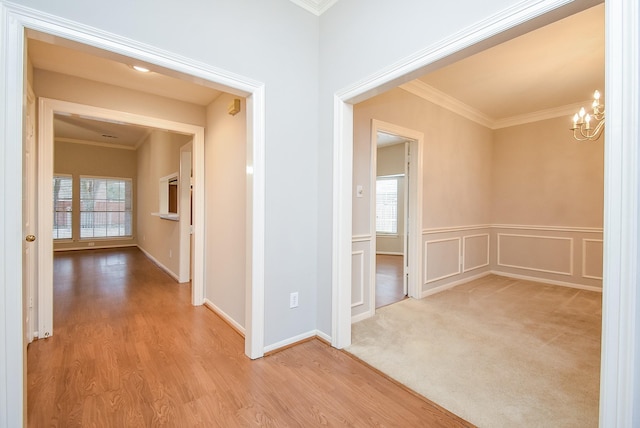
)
(129, 350)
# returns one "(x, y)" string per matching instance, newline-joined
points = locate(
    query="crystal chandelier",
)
(589, 126)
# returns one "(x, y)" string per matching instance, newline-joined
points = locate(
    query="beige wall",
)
(542, 176)
(522, 201)
(390, 161)
(226, 172)
(158, 156)
(85, 159)
(68, 88)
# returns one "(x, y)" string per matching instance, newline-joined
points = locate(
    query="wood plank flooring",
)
(389, 286)
(129, 350)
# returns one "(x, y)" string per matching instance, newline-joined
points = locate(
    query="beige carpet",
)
(496, 351)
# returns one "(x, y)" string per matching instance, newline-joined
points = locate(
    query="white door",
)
(29, 252)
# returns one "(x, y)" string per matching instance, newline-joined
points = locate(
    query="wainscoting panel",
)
(592, 258)
(549, 254)
(361, 277)
(441, 259)
(567, 256)
(475, 252)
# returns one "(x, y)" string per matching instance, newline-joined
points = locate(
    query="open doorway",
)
(392, 195)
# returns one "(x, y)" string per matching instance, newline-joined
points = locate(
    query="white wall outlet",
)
(293, 300)
(170, 253)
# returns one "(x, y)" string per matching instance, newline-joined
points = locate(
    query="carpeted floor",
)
(496, 351)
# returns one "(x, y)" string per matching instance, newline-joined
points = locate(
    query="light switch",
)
(359, 191)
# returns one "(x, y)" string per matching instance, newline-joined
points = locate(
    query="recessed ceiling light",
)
(140, 68)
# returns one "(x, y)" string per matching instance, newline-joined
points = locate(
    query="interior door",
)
(29, 249)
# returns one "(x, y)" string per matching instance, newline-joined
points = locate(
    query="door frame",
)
(621, 273)
(47, 108)
(415, 139)
(15, 21)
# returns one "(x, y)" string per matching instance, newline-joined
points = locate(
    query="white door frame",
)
(47, 108)
(184, 208)
(414, 181)
(619, 394)
(15, 20)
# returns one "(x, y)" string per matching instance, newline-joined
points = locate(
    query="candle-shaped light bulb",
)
(587, 119)
(575, 120)
(581, 113)
(595, 104)
(596, 95)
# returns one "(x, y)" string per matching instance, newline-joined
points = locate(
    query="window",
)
(105, 207)
(387, 205)
(62, 206)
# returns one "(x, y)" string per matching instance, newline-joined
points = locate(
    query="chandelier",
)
(589, 126)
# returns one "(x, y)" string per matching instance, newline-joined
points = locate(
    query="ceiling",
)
(551, 68)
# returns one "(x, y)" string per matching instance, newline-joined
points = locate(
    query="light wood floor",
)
(129, 350)
(389, 286)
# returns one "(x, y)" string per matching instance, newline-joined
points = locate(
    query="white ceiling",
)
(547, 69)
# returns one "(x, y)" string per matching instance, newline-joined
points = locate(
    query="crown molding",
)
(567, 110)
(317, 7)
(431, 94)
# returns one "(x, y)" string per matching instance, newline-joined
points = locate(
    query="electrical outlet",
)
(170, 253)
(91, 244)
(293, 300)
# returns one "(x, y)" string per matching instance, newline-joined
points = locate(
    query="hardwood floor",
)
(129, 350)
(389, 286)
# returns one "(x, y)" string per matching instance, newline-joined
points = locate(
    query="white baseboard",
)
(323, 336)
(450, 285)
(362, 316)
(160, 265)
(389, 253)
(548, 281)
(95, 247)
(290, 341)
(222, 314)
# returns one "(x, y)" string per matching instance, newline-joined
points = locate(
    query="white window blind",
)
(62, 206)
(105, 207)
(387, 205)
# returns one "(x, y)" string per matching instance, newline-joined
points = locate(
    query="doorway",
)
(392, 167)
(396, 213)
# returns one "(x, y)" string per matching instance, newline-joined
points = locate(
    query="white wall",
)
(226, 216)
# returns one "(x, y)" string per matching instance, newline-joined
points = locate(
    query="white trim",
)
(464, 246)
(222, 314)
(435, 230)
(548, 228)
(547, 281)
(184, 211)
(159, 264)
(317, 7)
(441, 288)
(362, 316)
(388, 253)
(361, 238)
(536, 116)
(290, 341)
(426, 259)
(584, 258)
(433, 95)
(361, 301)
(416, 141)
(558, 238)
(620, 380)
(323, 336)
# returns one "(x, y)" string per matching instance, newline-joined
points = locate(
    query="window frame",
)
(395, 179)
(81, 211)
(71, 212)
